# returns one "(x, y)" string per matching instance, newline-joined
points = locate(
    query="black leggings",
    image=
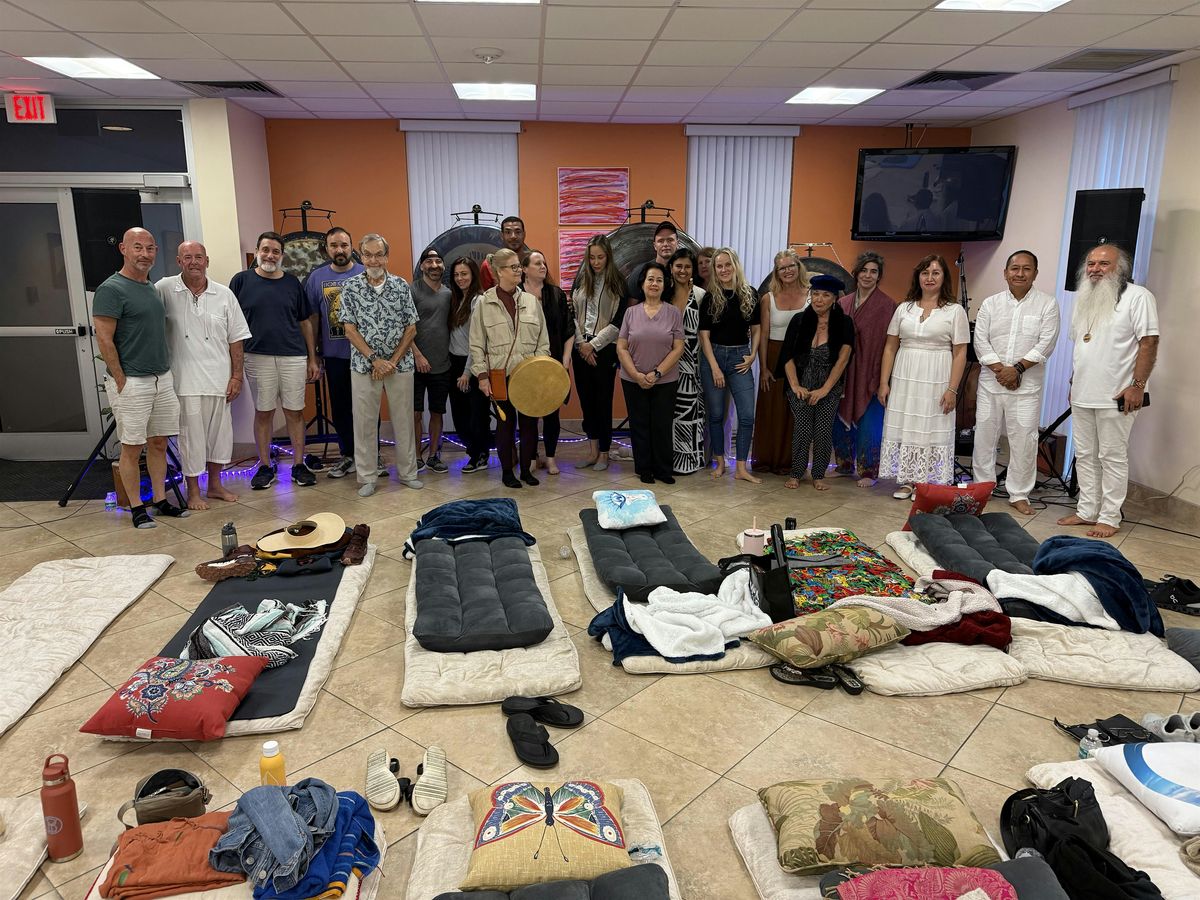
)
(812, 426)
(551, 429)
(470, 411)
(651, 427)
(595, 386)
(341, 404)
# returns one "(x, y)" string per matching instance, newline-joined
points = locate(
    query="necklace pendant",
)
(1087, 337)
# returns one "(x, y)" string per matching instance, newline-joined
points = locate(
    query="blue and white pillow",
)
(618, 510)
(1164, 777)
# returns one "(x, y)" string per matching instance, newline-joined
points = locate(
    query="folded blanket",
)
(990, 628)
(469, 520)
(1190, 851)
(1115, 579)
(949, 601)
(1070, 595)
(612, 629)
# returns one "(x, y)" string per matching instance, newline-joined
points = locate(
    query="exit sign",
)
(27, 109)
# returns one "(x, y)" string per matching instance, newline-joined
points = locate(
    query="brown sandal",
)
(356, 551)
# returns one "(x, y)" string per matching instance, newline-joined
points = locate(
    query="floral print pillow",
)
(829, 636)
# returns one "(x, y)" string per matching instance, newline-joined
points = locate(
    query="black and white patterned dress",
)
(690, 426)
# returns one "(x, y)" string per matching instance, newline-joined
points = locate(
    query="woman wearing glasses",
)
(786, 296)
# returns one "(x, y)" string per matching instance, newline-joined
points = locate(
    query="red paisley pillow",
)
(944, 499)
(177, 699)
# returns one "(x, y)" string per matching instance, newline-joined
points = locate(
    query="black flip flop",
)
(847, 679)
(546, 710)
(817, 678)
(531, 742)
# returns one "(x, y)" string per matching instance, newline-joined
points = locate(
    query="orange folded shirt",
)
(168, 858)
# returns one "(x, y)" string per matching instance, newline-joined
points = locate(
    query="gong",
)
(818, 265)
(475, 242)
(633, 244)
(537, 386)
(303, 251)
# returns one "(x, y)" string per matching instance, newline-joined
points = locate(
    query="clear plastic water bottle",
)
(110, 501)
(1090, 744)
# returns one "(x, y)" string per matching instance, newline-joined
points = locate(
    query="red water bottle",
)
(60, 809)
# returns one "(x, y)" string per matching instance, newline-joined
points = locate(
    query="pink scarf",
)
(927, 884)
(870, 333)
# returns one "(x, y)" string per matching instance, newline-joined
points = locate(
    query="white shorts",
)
(146, 407)
(205, 433)
(276, 381)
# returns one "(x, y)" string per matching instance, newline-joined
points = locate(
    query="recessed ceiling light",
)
(91, 66)
(483, 91)
(115, 128)
(1031, 6)
(836, 96)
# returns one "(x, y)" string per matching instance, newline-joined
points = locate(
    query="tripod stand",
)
(98, 451)
(321, 403)
(1072, 487)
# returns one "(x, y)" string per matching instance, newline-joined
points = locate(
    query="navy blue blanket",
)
(1115, 579)
(469, 520)
(626, 642)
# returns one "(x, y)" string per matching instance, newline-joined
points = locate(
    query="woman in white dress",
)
(923, 363)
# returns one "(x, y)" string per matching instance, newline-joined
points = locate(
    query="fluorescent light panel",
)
(91, 66)
(1029, 6)
(836, 96)
(479, 90)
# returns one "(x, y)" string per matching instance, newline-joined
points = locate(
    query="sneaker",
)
(1169, 728)
(420, 463)
(436, 465)
(314, 463)
(1177, 594)
(367, 489)
(343, 467)
(430, 790)
(302, 476)
(472, 465)
(381, 468)
(263, 478)
(165, 507)
(619, 453)
(414, 484)
(382, 787)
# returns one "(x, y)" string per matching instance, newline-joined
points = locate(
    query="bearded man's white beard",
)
(268, 267)
(1094, 305)
(375, 273)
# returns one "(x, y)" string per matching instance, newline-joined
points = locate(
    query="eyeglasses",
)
(513, 268)
(790, 267)
(374, 255)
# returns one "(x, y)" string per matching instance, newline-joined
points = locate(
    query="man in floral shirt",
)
(381, 322)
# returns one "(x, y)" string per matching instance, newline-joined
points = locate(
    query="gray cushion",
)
(1185, 642)
(648, 556)
(646, 881)
(478, 595)
(975, 545)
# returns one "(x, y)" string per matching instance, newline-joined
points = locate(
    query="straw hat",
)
(315, 531)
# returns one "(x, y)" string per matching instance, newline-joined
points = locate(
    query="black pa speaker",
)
(1103, 217)
(101, 218)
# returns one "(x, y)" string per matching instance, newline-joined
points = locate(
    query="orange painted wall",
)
(824, 168)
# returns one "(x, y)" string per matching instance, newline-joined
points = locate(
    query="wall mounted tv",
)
(933, 194)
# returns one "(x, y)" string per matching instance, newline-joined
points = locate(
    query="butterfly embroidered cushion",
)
(829, 636)
(527, 833)
(177, 699)
(619, 510)
(945, 499)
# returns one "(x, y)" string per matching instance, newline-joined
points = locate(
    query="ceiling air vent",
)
(1103, 60)
(230, 88)
(955, 81)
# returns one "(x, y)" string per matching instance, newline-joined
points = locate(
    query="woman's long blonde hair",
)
(741, 288)
(782, 256)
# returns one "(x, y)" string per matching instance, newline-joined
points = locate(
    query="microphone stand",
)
(964, 435)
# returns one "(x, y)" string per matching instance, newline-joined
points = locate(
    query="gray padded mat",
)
(974, 545)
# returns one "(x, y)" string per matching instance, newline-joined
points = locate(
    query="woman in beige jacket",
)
(507, 327)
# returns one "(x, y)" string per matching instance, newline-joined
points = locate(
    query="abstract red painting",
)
(571, 247)
(593, 196)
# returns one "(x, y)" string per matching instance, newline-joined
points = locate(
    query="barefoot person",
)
(205, 330)
(1115, 329)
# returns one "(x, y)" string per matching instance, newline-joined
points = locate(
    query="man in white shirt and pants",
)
(205, 330)
(1115, 329)
(1015, 333)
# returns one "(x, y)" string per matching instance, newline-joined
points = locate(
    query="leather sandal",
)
(546, 710)
(356, 550)
(531, 742)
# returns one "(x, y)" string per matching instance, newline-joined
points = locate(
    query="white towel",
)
(961, 598)
(1069, 594)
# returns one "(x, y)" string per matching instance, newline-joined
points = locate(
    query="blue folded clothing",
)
(1116, 580)
(469, 520)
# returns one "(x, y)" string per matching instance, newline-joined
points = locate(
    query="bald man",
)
(131, 335)
(205, 330)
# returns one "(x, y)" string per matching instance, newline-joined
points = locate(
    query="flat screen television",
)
(933, 194)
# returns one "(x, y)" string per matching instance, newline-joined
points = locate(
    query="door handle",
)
(81, 330)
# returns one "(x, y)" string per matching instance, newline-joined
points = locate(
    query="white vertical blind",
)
(1119, 143)
(450, 172)
(739, 194)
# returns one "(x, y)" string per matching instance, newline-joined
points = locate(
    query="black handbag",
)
(769, 584)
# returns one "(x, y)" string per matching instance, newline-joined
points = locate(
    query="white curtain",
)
(1119, 143)
(739, 194)
(450, 172)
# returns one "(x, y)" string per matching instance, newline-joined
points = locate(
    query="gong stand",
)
(475, 214)
(305, 207)
(647, 207)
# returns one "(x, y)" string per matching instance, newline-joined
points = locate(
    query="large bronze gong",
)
(470, 240)
(817, 265)
(633, 244)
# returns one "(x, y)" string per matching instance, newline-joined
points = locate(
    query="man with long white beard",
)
(1115, 329)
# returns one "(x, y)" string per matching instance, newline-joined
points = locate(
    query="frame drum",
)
(538, 386)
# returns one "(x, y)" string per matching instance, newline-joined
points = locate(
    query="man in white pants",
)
(205, 330)
(1015, 333)
(1115, 329)
(380, 318)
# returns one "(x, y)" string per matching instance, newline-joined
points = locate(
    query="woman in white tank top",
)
(787, 296)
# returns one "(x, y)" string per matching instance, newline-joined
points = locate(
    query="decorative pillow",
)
(177, 699)
(944, 499)
(533, 833)
(618, 510)
(822, 825)
(829, 636)
(1164, 777)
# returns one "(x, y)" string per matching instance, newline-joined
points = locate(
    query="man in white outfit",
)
(1015, 333)
(205, 330)
(1115, 329)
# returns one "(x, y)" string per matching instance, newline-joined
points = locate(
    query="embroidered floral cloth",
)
(864, 572)
(927, 884)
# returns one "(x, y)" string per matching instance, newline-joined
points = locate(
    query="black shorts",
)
(438, 387)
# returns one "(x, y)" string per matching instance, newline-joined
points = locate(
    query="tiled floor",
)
(703, 744)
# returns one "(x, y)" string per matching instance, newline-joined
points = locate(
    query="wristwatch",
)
(374, 357)
(657, 375)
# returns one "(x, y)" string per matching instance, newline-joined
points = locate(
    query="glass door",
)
(50, 404)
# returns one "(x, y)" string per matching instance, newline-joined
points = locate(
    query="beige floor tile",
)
(807, 747)
(986, 799)
(573, 604)
(1190, 704)
(372, 684)
(1183, 561)
(28, 537)
(1008, 742)
(45, 510)
(603, 751)
(870, 528)
(396, 866)
(734, 721)
(1045, 526)
(388, 574)
(10, 518)
(389, 606)
(706, 862)
(147, 609)
(1159, 536)
(89, 523)
(366, 635)
(604, 685)
(182, 587)
(188, 553)
(930, 726)
(760, 683)
(249, 521)
(39, 887)
(1072, 704)
(116, 656)
(14, 565)
(78, 681)
(78, 888)
(130, 540)
(391, 532)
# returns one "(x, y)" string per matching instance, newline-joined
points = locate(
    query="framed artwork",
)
(572, 245)
(593, 195)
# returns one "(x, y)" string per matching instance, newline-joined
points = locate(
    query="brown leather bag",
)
(165, 795)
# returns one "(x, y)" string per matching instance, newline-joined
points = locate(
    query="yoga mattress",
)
(478, 595)
(975, 545)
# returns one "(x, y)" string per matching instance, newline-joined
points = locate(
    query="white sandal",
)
(383, 790)
(430, 790)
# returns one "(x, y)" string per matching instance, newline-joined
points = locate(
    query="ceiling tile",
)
(577, 108)
(579, 21)
(228, 17)
(1167, 33)
(668, 110)
(112, 15)
(942, 26)
(382, 91)
(870, 4)
(495, 73)
(195, 69)
(352, 115)
(59, 87)
(646, 120)
(506, 109)
(321, 105)
(689, 53)
(841, 25)
(906, 56)
(807, 54)
(581, 92)
(1042, 81)
(1056, 29)
(772, 95)
(954, 112)
(636, 3)
(562, 117)
(394, 71)
(882, 113)
(377, 48)
(917, 98)
(1009, 59)
(742, 111)
(584, 75)
(140, 89)
(1148, 7)
(12, 67)
(265, 46)
(15, 19)
(177, 45)
(666, 94)
(420, 107)
(269, 104)
(490, 22)
(356, 18)
(305, 70)
(869, 78)
(734, 24)
(700, 76)
(47, 43)
(997, 99)
(516, 50)
(596, 53)
(319, 89)
(774, 77)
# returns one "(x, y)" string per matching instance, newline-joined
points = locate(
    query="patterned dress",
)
(690, 423)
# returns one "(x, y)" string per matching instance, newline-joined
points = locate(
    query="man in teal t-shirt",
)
(131, 332)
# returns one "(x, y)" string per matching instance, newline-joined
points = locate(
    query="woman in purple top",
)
(649, 346)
